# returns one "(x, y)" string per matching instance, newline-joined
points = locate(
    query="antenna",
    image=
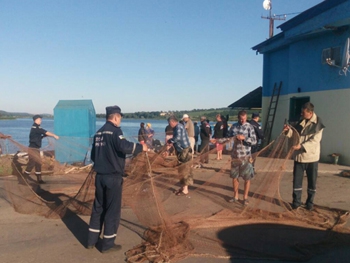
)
(267, 4)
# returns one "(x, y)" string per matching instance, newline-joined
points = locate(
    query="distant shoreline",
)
(8, 118)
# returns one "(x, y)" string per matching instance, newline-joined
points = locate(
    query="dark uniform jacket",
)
(109, 149)
(205, 131)
(258, 131)
(36, 135)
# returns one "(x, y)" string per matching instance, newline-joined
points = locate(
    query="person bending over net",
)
(183, 149)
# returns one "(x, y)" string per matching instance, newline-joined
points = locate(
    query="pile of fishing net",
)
(200, 224)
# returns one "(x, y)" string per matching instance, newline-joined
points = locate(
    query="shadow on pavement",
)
(271, 242)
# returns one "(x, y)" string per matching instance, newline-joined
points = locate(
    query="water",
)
(19, 128)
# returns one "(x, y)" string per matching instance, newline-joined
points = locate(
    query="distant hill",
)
(14, 115)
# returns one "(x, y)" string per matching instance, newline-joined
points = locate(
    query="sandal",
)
(233, 200)
(180, 193)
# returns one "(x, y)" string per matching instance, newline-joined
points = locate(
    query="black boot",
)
(40, 180)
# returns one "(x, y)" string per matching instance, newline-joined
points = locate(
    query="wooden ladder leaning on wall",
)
(271, 113)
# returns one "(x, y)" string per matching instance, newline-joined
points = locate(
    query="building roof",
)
(310, 13)
(308, 23)
(251, 100)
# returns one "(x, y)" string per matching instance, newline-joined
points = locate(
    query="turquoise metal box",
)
(75, 123)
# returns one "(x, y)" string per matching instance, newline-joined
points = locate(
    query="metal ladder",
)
(271, 113)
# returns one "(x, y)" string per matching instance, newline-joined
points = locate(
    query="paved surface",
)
(30, 238)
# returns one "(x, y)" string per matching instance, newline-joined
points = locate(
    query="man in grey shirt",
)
(190, 130)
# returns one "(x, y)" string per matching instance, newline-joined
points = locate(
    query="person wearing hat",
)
(258, 132)
(190, 130)
(182, 147)
(35, 137)
(108, 153)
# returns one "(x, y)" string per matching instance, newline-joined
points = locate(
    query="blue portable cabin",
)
(311, 58)
(75, 123)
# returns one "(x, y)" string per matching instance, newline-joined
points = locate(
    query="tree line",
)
(194, 114)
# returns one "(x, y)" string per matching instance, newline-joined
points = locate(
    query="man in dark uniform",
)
(108, 154)
(35, 137)
(205, 133)
(258, 132)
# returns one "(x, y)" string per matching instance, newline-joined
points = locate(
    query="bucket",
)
(335, 159)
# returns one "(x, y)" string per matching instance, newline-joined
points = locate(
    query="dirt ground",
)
(30, 238)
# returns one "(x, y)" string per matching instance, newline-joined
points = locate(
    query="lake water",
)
(19, 128)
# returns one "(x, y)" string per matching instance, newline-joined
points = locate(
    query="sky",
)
(142, 55)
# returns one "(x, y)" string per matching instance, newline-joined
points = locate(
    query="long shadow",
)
(78, 227)
(271, 242)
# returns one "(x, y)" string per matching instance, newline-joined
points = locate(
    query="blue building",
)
(75, 123)
(310, 60)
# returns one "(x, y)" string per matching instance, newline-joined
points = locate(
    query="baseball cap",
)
(113, 109)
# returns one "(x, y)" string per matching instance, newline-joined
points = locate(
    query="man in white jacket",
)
(306, 154)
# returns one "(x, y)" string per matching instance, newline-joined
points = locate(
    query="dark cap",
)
(255, 114)
(113, 109)
(36, 117)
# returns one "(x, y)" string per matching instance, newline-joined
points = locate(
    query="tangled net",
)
(201, 224)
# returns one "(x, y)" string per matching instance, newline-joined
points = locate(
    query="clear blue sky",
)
(143, 55)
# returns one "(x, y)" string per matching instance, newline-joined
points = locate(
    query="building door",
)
(295, 108)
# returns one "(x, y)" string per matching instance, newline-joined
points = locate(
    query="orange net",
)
(200, 224)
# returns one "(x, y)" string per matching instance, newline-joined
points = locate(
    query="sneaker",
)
(310, 207)
(245, 202)
(90, 247)
(295, 207)
(233, 200)
(112, 249)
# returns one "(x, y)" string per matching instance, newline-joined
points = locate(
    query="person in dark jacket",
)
(196, 136)
(205, 133)
(258, 132)
(219, 134)
(35, 137)
(142, 136)
(108, 153)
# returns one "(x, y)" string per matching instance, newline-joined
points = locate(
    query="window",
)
(295, 108)
(332, 56)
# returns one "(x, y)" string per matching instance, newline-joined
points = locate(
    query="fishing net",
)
(200, 224)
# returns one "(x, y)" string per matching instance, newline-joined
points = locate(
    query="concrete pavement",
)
(31, 238)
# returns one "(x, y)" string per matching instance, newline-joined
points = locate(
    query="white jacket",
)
(310, 140)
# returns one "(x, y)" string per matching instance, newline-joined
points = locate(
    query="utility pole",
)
(268, 6)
